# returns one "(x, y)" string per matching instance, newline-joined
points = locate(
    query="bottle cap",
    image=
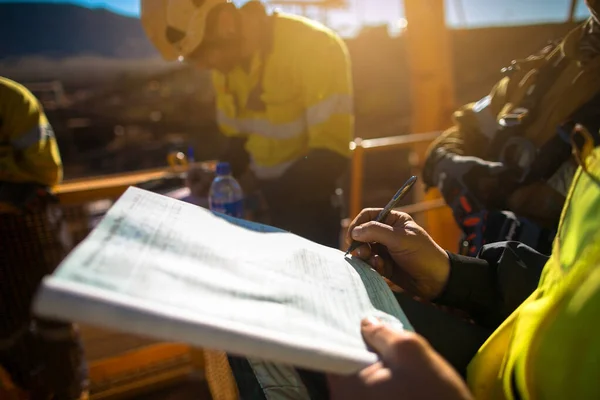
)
(223, 168)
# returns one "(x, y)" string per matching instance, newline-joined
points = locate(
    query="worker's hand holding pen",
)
(402, 251)
(398, 248)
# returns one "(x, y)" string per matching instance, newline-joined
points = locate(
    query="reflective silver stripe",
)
(263, 127)
(486, 120)
(315, 115)
(33, 136)
(274, 172)
(322, 111)
(223, 119)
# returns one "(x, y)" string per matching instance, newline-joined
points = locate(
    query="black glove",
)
(482, 180)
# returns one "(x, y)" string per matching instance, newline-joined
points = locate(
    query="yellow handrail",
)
(80, 191)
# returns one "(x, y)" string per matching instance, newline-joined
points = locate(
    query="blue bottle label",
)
(234, 209)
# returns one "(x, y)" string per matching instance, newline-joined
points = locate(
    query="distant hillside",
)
(80, 70)
(63, 30)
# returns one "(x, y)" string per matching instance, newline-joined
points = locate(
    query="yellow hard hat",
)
(176, 27)
(594, 7)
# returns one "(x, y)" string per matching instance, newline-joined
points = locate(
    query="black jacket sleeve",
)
(491, 286)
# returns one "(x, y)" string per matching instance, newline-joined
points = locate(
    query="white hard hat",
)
(185, 20)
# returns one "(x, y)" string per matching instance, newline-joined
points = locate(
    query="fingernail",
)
(359, 252)
(371, 322)
(357, 232)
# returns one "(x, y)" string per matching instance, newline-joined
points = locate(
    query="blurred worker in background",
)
(505, 165)
(283, 95)
(42, 357)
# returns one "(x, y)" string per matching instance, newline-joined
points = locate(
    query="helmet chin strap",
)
(589, 46)
(594, 8)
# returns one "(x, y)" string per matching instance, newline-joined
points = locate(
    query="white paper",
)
(164, 268)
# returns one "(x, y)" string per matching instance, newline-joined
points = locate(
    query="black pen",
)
(400, 194)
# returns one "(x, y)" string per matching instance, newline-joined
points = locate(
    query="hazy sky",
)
(476, 12)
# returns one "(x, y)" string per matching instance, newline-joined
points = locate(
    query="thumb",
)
(375, 232)
(381, 338)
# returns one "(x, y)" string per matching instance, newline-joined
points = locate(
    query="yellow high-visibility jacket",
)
(28, 148)
(295, 97)
(549, 348)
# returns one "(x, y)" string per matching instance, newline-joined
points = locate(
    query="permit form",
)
(159, 267)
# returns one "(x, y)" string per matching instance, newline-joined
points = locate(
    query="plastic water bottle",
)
(225, 195)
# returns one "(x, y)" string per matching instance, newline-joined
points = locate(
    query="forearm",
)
(491, 286)
(470, 286)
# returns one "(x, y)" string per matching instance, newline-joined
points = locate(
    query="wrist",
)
(444, 278)
(466, 278)
(442, 275)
